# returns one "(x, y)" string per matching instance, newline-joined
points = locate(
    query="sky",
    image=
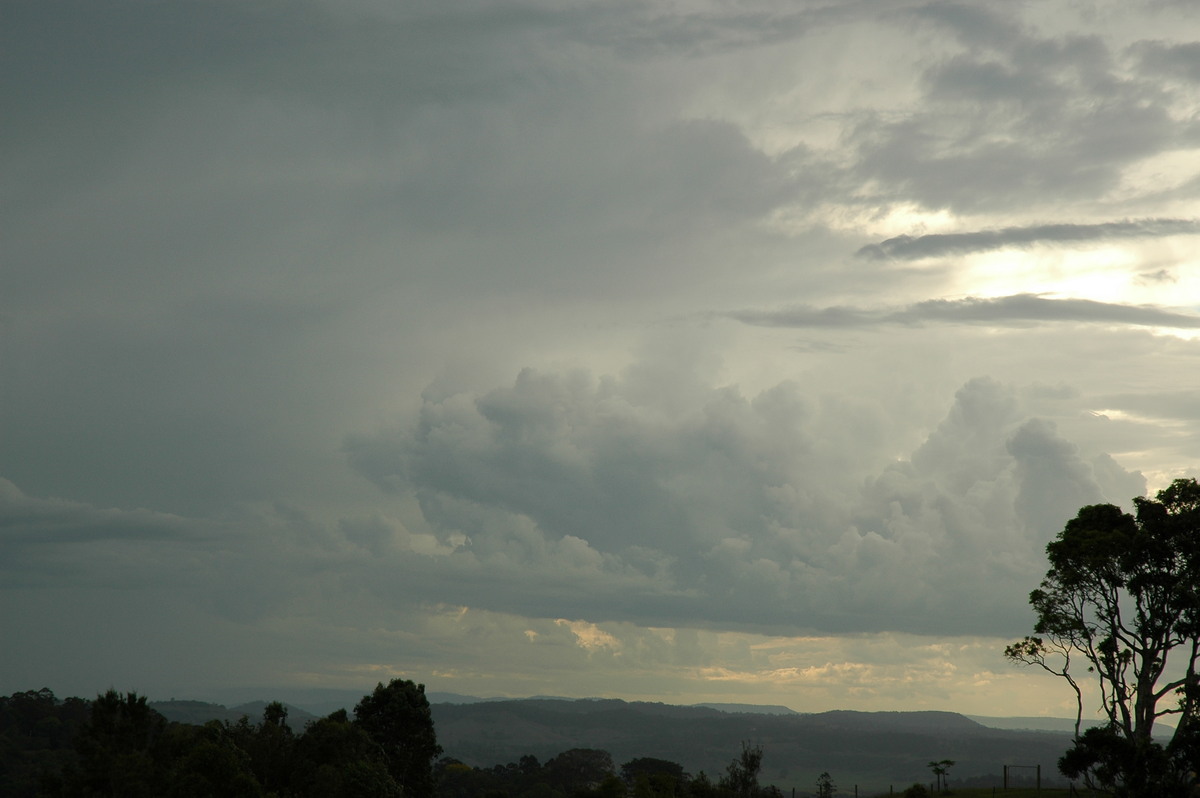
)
(678, 351)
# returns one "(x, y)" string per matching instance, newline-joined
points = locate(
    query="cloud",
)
(1015, 310)
(1012, 117)
(938, 245)
(1164, 406)
(29, 519)
(1166, 59)
(235, 231)
(44, 539)
(587, 498)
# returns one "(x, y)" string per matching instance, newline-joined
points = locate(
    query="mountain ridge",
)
(873, 750)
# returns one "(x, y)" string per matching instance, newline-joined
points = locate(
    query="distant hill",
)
(1162, 730)
(200, 712)
(874, 750)
(195, 712)
(1028, 723)
(319, 701)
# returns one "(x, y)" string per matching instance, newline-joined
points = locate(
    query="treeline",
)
(586, 772)
(117, 745)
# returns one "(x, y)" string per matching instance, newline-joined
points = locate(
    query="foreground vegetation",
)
(1120, 607)
(117, 745)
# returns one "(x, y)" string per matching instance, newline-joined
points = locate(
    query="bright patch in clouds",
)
(591, 637)
(1101, 275)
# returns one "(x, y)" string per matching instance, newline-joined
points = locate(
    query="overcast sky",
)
(683, 351)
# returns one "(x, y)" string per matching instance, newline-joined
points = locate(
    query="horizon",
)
(311, 701)
(686, 352)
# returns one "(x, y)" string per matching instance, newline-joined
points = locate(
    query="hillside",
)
(874, 750)
(871, 749)
(200, 712)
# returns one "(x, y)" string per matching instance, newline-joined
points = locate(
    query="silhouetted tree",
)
(578, 768)
(1123, 592)
(652, 778)
(941, 769)
(271, 746)
(397, 717)
(741, 775)
(119, 751)
(37, 741)
(825, 786)
(207, 762)
(337, 759)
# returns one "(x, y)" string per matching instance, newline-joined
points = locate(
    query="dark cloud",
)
(1165, 59)
(49, 542)
(37, 521)
(938, 245)
(1015, 310)
(235, 230)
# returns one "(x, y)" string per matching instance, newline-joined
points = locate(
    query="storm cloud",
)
(700, 352)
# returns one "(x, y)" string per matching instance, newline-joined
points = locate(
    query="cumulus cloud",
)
(1015, 310)
(733, 511)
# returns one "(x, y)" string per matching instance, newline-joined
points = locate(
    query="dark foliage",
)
(37, 740)
(118, 745)
(1123, 595)
(122, 750)
(397, 717)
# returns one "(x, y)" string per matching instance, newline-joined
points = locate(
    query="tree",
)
(398, 719)
(652, 777)
(37, 738)
(579, 768)
(207, 761)
(825, 786)
(741, 775)
(941, 769)
(119, 749)
(1123, 593)
(271, 746)
(336, 759)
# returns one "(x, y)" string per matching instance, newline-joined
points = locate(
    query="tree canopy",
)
(1123, 595)
(118, 744)
(398, 718)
